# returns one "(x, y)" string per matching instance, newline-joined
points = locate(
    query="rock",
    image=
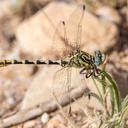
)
(40, 89)
(118, 67)
(30, 124)
(57, 122)
(14, 80)
(17, 72)
(5, 6)
(35, 35)
(38, 29)
(3, 44)
(45, 83)
(10, 98)
(109, 14)
(125, 60)
(44, 118)
(42, 2)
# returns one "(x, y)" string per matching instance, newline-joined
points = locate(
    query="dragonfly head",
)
(99, 58)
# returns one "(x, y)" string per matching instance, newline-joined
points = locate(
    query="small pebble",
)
(57, 122)
(44, 118)
(109, 14)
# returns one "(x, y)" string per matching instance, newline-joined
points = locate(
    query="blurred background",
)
(27, 29)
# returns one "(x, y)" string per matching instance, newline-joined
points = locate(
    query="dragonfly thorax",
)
(80, 59)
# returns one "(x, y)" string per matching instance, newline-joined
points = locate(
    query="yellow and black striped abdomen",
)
(7, 62)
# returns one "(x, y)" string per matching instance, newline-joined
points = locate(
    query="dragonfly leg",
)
(96, 71)
(87, 72)
(82, 71)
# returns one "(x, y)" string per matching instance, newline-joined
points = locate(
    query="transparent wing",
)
(65, 80)
(62, 94)
(68, 34)
(60, 40)
(61, 83)
(77, 78)
(74, 27)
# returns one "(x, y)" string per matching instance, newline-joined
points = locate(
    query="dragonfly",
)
(79, 59)
(73, 56)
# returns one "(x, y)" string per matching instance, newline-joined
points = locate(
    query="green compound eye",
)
(99, 58)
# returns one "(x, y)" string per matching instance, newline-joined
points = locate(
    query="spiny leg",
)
(82, 71)
(96, 71)
(88, 72)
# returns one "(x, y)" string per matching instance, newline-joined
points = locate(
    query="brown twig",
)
(48, 106)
